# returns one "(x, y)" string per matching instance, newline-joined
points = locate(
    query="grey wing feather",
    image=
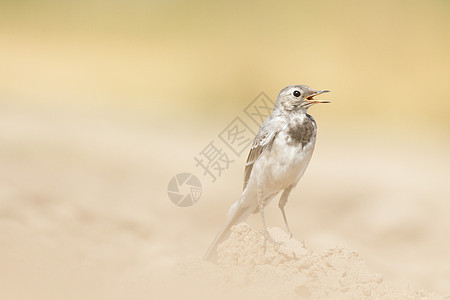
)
(263, 140)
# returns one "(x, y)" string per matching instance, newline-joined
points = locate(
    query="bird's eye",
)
(296, 93)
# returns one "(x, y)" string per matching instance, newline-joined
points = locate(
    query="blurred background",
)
(103, 102)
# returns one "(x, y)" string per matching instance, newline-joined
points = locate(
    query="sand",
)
(84, 214)
(249, 265)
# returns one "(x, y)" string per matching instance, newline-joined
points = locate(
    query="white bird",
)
(277, 160)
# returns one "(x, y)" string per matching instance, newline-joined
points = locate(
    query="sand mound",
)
(249, 266)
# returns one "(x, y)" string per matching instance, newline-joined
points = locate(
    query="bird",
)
(277, 160)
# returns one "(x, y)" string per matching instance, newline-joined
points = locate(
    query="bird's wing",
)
(263, 140)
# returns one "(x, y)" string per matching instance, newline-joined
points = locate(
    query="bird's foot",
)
(287, 226)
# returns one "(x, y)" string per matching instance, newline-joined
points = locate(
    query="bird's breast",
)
(301, 131)
(284, 164)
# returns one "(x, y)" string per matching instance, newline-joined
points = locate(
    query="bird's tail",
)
(237, 214)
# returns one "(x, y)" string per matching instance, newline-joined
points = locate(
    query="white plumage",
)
(277, 160)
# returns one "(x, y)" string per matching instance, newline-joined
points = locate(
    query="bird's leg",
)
(261, 212)
(265, 231)
(281, 204)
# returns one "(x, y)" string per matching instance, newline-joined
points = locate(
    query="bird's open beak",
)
(311, 99)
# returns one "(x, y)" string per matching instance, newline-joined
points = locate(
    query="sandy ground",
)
(249, 265)
(84, 212)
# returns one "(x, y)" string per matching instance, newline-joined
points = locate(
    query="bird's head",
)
(298, 97)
